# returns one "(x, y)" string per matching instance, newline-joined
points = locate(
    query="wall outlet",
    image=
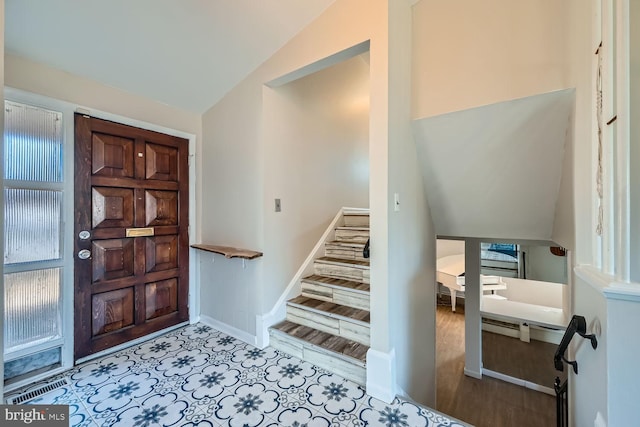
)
(278, 206)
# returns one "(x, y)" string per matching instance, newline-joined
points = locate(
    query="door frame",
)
(68, 109)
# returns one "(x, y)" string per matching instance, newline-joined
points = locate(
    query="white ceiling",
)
(185, 53)
(495, 171)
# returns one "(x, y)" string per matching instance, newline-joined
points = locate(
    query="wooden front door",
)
(131, 233)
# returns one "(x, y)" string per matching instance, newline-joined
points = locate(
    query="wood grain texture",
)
(344, 250)
(356, 220)
(228, 251)
(112, 305)
(484, 403)
(531, 361)
(352, 270)
(352, 234)
(341, 346)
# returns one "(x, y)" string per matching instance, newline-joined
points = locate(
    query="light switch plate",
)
(278, 206)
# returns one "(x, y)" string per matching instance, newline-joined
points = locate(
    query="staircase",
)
(328, 323)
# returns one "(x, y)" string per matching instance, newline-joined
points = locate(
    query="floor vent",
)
(31, 394)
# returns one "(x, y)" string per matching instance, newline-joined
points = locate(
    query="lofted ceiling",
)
(495, 171)
(187, 54)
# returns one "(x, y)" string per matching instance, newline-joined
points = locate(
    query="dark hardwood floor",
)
(484, 403)
(532, 361)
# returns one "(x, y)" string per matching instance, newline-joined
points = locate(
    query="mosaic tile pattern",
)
(199, 377)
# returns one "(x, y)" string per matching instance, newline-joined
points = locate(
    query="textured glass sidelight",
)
(31, 225)
(33, 173)
(32, 308)
(32, 143)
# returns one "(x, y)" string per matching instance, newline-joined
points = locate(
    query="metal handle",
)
(84, 254)
(84, 235)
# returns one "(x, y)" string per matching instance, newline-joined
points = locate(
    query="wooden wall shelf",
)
(228, 251)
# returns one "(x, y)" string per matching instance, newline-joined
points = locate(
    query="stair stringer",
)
(279, 311)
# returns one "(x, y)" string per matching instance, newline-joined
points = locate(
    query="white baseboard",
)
(473, 374)
(229, 330)
(518, 381)
(381, 375)
(264, 322)
(536, 333)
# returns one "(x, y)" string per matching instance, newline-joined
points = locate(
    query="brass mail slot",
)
(139, 232)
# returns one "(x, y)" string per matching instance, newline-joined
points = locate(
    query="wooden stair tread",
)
(331, 309)
(337, 283)
(331, 343)
(353, 227)
(344, 262)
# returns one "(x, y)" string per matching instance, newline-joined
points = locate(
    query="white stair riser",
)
(313, 320)
(351, 299)
(333, 326)
(312, 290)
(353, 332)
(354, 236)
(351, 371)
(335, 251)
(289, 346)
(342, 272)
(356, 220)
(336, 296)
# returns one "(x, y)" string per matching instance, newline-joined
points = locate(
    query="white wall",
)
(589, 390)
(316, 138)
(38, 78)
(240, 152)
(590, 387)
(446, 247)
(622, 357)
(542, 265)
(469, 53)
(412, 249)
(403, 244)
(533, 292)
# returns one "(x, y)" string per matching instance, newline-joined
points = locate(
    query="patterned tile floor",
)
(197, 376)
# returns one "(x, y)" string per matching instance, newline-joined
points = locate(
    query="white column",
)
(472, 319)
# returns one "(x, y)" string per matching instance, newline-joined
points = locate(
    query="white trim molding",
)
(229, 330)
(623, 291)
(611, 288)
(381, 375)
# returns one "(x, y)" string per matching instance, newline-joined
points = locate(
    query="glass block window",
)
(33, 197)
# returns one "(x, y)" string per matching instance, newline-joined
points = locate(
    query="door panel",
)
(112, 311)
(161, 298)
(112, 155)
(129, 182)
(112, 207)
(161, 207)
(113, 259)
(161, 162)
(161, 253)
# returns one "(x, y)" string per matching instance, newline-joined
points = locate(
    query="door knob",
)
(84, 254)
